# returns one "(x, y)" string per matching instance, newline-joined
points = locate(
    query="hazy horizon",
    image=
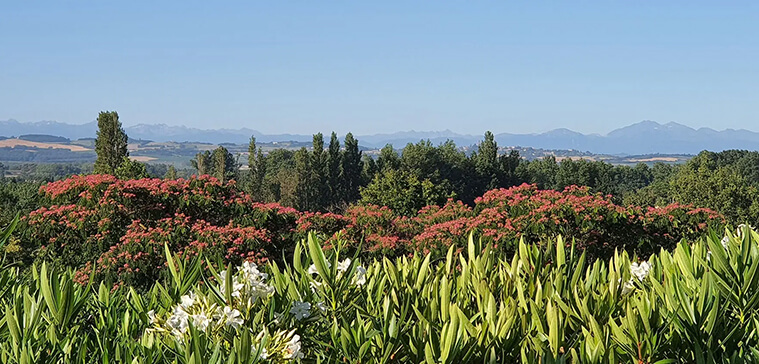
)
(381, 68)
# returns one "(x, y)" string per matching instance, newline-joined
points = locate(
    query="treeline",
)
(330, 176)
(335, 174)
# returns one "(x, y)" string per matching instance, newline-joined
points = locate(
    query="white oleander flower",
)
(151, 316)
(312, 268)
(264, 353)
(179, 321)
(321, 307)
(360, 276)
(344, 265)
(301, 310)
(187, 300)
(640, 270)
(223, 278)
(315, 285)
(293, 348)
(237, 289)
(201, 321)
(232, 317)
(260, 289)
(251, 273)
(628, 287)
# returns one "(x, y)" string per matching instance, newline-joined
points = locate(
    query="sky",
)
(383, 66)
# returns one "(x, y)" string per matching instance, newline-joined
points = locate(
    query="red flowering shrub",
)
(326, 224)
(122, 225)
(117, 229)
(593, 220)
(139, 257)
(377, 227)
(72, 231)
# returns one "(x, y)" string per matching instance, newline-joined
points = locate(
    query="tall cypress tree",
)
(318, 165)
(333, 170)
(486, 162)
(307, 190)
(224, 164)
(110, 144)
(252, 154)
(171, 173)
(352, 168)
(254, 183)
(202, 163)
(261, 164)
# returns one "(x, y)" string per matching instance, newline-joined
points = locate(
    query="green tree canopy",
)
(110, 143)
(130, 169)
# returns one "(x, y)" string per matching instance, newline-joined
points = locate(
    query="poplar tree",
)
(352, 169)
(307, 189)
(255, 177)
(486, 162)
(224, 164)
(319, 166)
(333, 170)
(110, 143)
(171, 173)
(202, 163)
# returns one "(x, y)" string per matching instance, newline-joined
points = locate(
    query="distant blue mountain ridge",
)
(645, 137)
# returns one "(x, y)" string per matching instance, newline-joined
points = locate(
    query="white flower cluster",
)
(359, 275)
(248, 284)
(282, 345)
(725, 241)
(292, 348)
(195, 309)
(639, 271)
(301, 310)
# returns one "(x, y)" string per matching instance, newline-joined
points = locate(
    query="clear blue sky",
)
(383, 66)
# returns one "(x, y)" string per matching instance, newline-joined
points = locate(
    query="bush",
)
(106, 222)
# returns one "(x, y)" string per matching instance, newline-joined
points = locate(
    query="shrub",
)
(106, 222)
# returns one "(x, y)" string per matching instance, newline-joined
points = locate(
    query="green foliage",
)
(110, 144)
(547, 303)
(402, 192)
(220, 164)
(202, 163)
(17, 198)
(171, 173)
(130, 169)
(707, 181)
(307, 187)
(224, 164)
(351, 170)
(333, 170)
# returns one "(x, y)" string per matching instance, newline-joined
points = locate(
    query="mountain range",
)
(645, 137)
